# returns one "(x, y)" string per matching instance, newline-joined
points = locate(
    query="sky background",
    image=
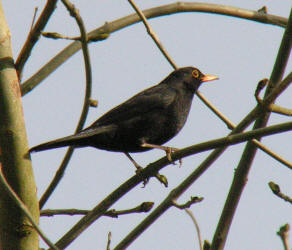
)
(240, 52)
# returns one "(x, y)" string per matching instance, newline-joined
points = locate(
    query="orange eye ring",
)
(195, 73)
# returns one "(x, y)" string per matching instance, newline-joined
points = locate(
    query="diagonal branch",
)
(249, 153)
(151, 32)
(34, 35)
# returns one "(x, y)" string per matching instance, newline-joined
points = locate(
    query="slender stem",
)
(34, 35)
(142, 208)
(86, 104)
(284, 235)
(189, 212)
(151, 32)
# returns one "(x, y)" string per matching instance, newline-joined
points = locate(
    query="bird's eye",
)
(195, 73)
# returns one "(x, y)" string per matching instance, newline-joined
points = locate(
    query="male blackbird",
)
(145, 121)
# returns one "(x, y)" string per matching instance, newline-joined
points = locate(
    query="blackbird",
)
(145, 121)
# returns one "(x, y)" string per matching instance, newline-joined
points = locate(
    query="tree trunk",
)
(15, 230)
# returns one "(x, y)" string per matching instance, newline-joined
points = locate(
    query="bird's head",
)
(191, 77)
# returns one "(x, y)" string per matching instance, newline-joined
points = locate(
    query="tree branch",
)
(144, 207)
(277, 191)
(284, 235)
(249, 153)
(110, 27)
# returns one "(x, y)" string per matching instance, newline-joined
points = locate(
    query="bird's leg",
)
(160, 177)
(137, 166)
(168, 150)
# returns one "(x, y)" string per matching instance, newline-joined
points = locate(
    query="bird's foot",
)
(162, 179)
(168, 151)
(138, 171)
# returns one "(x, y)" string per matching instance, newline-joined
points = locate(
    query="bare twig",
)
(142, 208)
(284, 235)
(193, 200)
(221, 116)
(69, 211)
(153, 34)
(272, 107)
(33, 18)
(34, 35)
(231, 125)
(109, 238)
(277, 191)
(110, 27)
(280, 110)
(24, 209)
(55, 35)
(189, 212)
(86, 104)
(260, 87)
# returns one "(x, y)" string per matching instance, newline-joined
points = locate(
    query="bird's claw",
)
(169, 151)
(138, 171)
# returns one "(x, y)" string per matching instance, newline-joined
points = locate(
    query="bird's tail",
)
(81, 139)
(58, 143)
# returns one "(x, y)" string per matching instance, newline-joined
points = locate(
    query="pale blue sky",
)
(240, 52)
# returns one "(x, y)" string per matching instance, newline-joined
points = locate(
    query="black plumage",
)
(151, 117)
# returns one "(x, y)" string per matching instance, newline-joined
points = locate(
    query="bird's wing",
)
(157, 97)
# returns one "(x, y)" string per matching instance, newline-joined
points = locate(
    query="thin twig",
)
(86, 104)
(24, 209)
(33, 18)
(109, 238)
(272, 107)
(165, 10)
(277, 191)
(284, 235)
(55, 35)
(190, 213)
(34, 35)
(261, 85)
(151, 32)
(142, 208)
(231, 126)
(188, 204)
